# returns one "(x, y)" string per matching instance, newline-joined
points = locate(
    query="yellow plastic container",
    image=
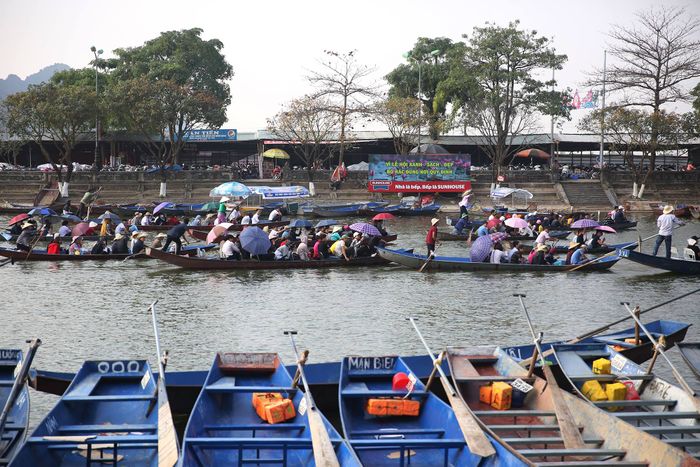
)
(485, 394)
(501, 395)
(601, 366)
(593, 391)
(615, 392)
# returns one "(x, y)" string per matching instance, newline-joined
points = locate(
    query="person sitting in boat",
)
(246, 220)
(379, 224)
(197, 221)
(516, 257)
(579, 256)
(172, 220)
(556, 222)
(119, 245)
(497, 255)
(67, 208)
(158, 241)
(234, 215)
(460, 225)
(64, 231)
(139, 243)
(580, 236)
(492, 215)
(76, 246)
(16, 228)
(482, 230)
(256, 217)
(147, 219)
(54, 247)
(597, 240)
(543, 237)
(320, 250)
(120, 229)
(275, 215)
(283, 252)
(513, 249)
(136, 220)
(302, 251)
(100, 247)
(340, 248)
(539, 256)
(619, 214)
(693, 246)
(160, 219)
(230, 249)
(26, 238)
(549, 258)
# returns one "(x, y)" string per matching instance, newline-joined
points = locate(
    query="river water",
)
(98, 310)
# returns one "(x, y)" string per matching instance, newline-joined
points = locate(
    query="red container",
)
(400, 381)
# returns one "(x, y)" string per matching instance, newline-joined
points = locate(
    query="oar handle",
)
(436, 363)
(300, 367)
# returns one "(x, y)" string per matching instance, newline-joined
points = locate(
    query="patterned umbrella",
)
(255, 241)
(233, 189)
(516, 223)
(383, 216)
(498, 236)
(365, 229)
(481, 248)
(584, 224)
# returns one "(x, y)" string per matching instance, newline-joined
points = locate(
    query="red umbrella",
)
(80, 229)
(493, 223)
(382, 216)
(18, 218)
(535, 153)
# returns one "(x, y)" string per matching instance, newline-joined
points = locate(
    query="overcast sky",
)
(271, 44)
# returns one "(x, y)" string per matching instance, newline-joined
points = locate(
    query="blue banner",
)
(212, 135)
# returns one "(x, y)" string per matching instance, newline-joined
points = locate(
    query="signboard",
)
(211, 135)
(371, 365)
(415, 173)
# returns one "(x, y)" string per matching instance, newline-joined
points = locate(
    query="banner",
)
(211, 135)
(589, 101)
(415, 173)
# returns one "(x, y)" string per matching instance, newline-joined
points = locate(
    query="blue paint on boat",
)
(15, 429)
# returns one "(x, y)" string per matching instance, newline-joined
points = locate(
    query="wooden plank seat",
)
(233, 388)
(636, 403)
(399, 431)
(107, 428)
(572, 452)
(110, 398)
(265, 427)
(548, 440)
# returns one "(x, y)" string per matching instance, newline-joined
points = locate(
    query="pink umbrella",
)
(80, 229)
(217, 231)
(516, 223)
(605, 228)
(382, 216)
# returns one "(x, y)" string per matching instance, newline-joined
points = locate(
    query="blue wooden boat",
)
(690, 351)
(224, 428)
(429, 210)
(337, 211)
(678, 266)
(107, 415)
(14, 431)
(433, 438)
(392, 209)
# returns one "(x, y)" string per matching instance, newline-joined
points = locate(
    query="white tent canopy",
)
(502, 192)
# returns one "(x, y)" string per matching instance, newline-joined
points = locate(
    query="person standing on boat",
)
(88, 198)
(665, 223)
(543, 237)
(466, 203)
(25, 239)
(461, 224)
(175, 234)
(431, 237)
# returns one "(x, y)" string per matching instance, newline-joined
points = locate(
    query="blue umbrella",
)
(327, 222)
(71, 218)
(42, 212)
(163, 205)
(233, 189)
(254, 241)
(301, 223)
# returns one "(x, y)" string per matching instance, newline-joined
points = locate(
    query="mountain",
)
(14, 83)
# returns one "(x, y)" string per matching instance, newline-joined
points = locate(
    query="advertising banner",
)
(416, 173)
(211, 135)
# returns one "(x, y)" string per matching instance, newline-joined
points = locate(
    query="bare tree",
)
(655, 58)
(343, 84)
(308, 126)
(401, 117)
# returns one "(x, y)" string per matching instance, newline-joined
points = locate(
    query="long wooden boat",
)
(532, 427)
(457, 263)
(673, 332)
(46, 239)
(680, 210)
(41, 255)
(12, 435)
(224, 428)
(432, 438)
(679, 266)
(106, 416)
(691, 354)
(244, 265)
(200, 232)
(335, 212)
(563, 249)
(659, 408)
(449, 236)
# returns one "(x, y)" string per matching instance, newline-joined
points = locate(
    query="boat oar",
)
(657, 348)
(427, 261)
(9, 260)
(324, 454)
(167, 437)
(474, 435)
(20, 379)
(571, 436)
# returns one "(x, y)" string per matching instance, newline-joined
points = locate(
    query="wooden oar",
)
(474, 435)
(428, 260)
(20, 379)
(9, 260)
(324, 454)
(570, 433)
(167, 437)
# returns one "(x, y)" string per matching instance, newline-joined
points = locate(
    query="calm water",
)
(99, 310)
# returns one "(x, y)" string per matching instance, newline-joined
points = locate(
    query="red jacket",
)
(53, 248)
(431, 238)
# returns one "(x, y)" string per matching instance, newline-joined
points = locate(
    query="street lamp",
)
(419, 61)
(97, 54)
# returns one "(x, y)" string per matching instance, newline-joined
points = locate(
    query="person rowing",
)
(665, 223)
(24, 241)
(175, 234)
(431, 237)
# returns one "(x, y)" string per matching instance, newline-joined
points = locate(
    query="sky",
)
(273, 44)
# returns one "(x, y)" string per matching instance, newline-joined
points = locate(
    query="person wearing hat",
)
(54, 247)
(136, 220)
(618, 214)
(138, 242)
(540, 253)
(431, 237)
(573, 246)
(76, 246)
(665, 223)
(229, 248)
(147, 219)
(579, 256)
(119, 245)
(91, 229)
(25, 239)
(466, 203)
(158, 242)
(693, 246)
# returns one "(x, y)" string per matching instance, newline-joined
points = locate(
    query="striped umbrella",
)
(584, 224)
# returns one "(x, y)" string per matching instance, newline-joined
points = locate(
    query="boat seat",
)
(380, 393)
(222, 388)
(544, 427)
(109, 428)
(587, 463)
(669, 430)
(513, 413)
(636, 403)
(548, 440)
(658, 415)
(70, 442)
(416, 443)
(398, 431)
(607, 378)
(252, 443)
(683, 442)
(488, 379)
(572, 364)
(111, 398)
(572, 452)
(5, 382)
(266, 427)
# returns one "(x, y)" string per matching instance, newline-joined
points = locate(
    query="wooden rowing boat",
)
(224, 428)
(691, 354)
(678, 266)
(41, 255)
(533, 428)
(661, 409)
(449, 236)
(680, 210)
(106, 416)
(458, 263)
(244, 265)
(15, 430)
(432, 438)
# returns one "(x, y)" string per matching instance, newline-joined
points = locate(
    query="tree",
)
(185, 61)
(508, 96)
(307, 124)
(400, 115)
(53, 114)
(654, 58)
(442, 78)
(342, 83)
(636, 134)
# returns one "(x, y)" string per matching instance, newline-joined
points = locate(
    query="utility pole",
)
(602, 115)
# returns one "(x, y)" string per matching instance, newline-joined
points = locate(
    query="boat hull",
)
(678, 266)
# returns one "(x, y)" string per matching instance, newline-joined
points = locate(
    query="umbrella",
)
(584, 224)
(217, 231)
(233, 189)
(275, 153)
(605, 228)
(299, 223)
(516, 223)
(80, 229)
(429, 149)
(534, 153)
(18, 218)
(109, 215)
(365, 229)
(161, 206)
(493, 223)
(255, 241)
(71, 218)
(382, 216)
(42, 212)
(213, 206)
(482, 246)
(326, 223)
(498, 236)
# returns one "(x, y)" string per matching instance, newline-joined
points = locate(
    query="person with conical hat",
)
(431, 237)
(665, 223)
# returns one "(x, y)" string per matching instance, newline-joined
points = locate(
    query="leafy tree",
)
(400, 115)
(342, 83)
(508, 96)
(307, 124)
(654, 58)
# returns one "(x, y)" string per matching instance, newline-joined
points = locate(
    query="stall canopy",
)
(281, 192)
